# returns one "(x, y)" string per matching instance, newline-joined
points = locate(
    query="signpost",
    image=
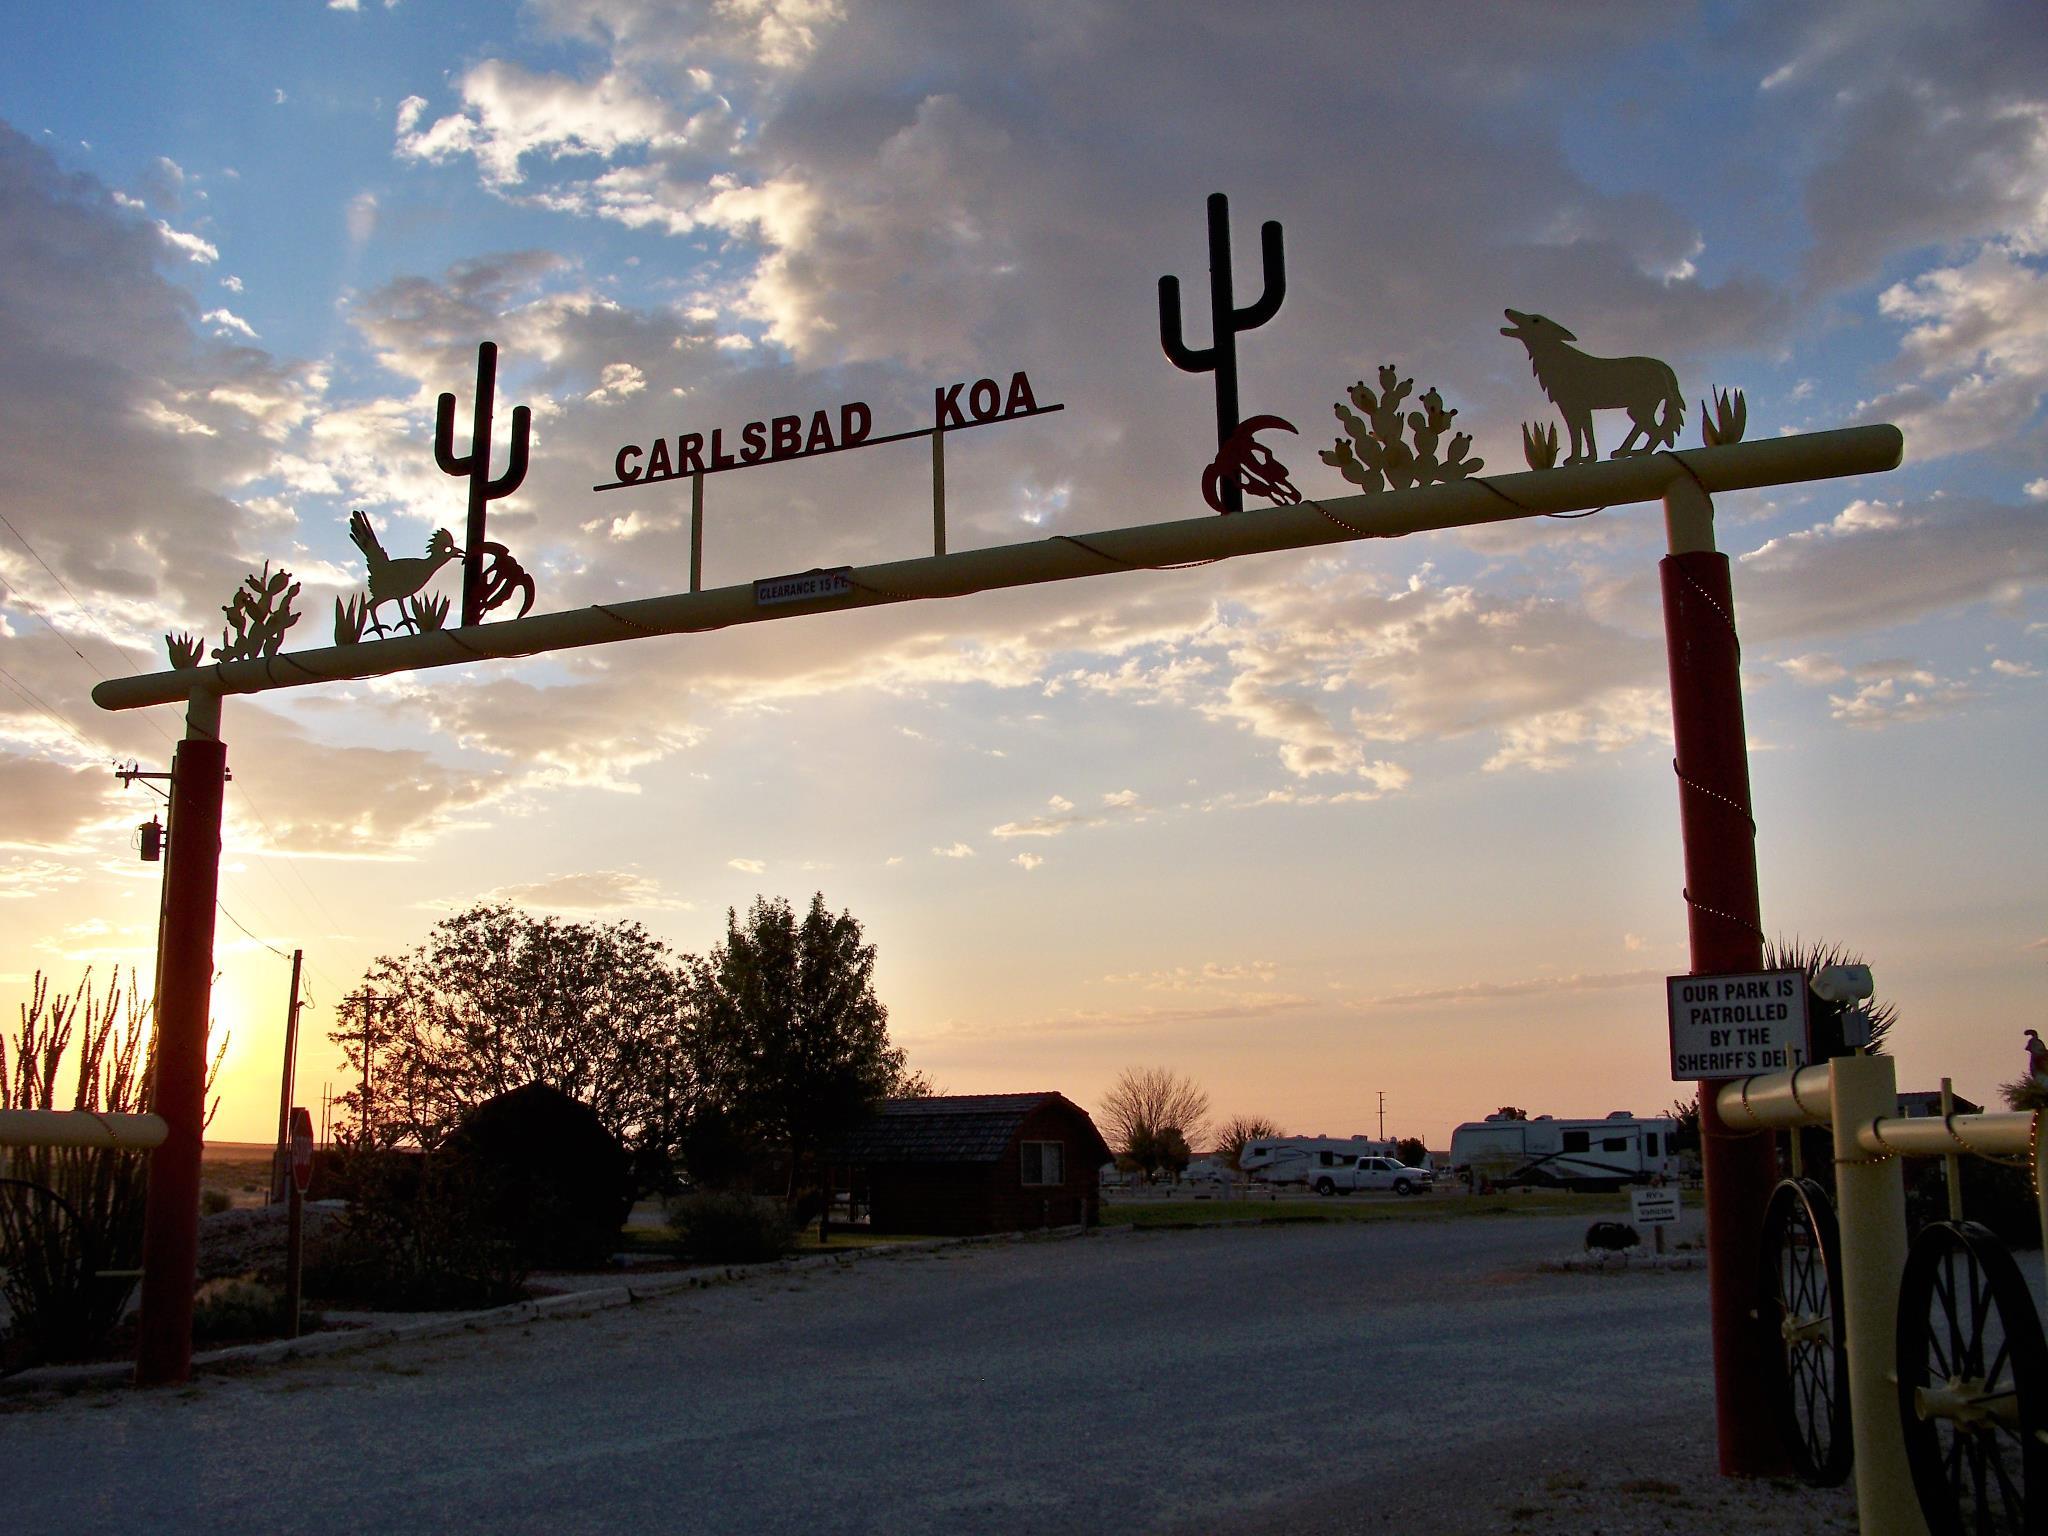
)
(295, 1230)
(1733, 1026)
(1655, 1209)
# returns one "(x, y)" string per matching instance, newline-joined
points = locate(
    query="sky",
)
(1385, 824)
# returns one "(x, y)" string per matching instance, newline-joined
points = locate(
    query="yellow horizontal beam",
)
(1777, 1100)
(1150, 546)
(80, 1128)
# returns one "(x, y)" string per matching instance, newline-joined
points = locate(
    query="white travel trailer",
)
(1575, 1154)
(1298, 1159)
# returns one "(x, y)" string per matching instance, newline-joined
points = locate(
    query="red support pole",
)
(170, 1234)
(1722, 915)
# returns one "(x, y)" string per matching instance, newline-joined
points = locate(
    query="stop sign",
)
(302, 1149)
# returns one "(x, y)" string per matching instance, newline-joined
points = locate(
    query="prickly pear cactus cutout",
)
(258, 616)
(1390, 449)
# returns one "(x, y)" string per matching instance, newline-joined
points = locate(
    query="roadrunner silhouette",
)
(393, 581)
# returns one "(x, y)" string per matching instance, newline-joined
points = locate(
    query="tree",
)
(1509, 1112)
(1235, 1132)
(496, 999)
(1687, 1137)
(789, 1042)
(1410, 1150)
(1145, 1103)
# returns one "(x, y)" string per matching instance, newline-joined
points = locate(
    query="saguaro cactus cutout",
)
(476, 464)
(1225, 321)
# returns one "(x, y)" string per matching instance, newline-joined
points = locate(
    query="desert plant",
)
(428, 613)
(1539, 445)
(71, 1217)
(730, 1228)
(1728, 420)
(258, 615)
(1378, 457)
(551, 1181)
(417, 1236)
(349, 619)
(186, 652)
(214, 1201)
(240, 1308)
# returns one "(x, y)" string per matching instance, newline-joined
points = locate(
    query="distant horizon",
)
(1392, 817)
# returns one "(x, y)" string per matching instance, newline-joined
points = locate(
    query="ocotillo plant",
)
(1225, 321)
(476, 464)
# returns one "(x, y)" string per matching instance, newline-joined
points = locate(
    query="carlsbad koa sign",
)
(779, 439)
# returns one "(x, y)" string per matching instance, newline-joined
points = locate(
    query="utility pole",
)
(279, 1166)
(1383, 1114)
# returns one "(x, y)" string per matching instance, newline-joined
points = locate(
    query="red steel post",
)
(1722, 916)
(170, 1235)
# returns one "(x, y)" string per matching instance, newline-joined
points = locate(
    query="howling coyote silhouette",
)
(1581, 384)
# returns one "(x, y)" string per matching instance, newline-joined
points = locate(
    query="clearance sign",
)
(1732, 1026)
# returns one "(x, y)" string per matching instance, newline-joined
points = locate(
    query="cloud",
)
(193, 246)
(46, 805)
(227, 322)
(747, 866)
(589, 891)
(954, 851)
(1117, 805)
(1027, 861)
(1902, 698)
(1875, 565)
(1533, 986)
(1976, 349)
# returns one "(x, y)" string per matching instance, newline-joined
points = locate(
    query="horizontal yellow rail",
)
(1149, 546)
(80, 1128)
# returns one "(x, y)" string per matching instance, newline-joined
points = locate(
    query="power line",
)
(245, 797)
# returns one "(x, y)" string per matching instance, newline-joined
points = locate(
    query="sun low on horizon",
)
(1382, 834)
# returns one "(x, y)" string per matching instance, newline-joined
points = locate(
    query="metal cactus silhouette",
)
(476, 464)
(1225, 321)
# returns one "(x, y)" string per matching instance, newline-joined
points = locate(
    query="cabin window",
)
(1649, 1143)
(1042, 1162)
(1614, 1144)
(1575, 1141)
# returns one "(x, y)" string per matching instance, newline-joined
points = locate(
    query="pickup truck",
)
(1373, 1173)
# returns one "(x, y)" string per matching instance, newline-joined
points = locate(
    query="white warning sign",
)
(1732, 1026)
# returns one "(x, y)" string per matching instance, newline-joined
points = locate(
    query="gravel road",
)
(1412, 1377)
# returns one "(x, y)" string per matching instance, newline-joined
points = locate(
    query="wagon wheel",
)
(1800, 1299)
(1973, 1384)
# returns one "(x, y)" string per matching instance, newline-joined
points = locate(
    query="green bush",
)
(554, 1184)
(240, 1309)
(417, 1237)
(213, 1201)
(730, 1228)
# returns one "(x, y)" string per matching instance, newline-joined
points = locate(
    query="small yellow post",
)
(1797, 1131)
(1872, 1196)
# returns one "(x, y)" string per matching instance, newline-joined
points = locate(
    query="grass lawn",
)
(1202, 1213)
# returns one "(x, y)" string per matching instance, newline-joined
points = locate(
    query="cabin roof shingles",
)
(960, 1128)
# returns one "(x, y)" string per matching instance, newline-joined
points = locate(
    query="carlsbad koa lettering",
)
(781, 438)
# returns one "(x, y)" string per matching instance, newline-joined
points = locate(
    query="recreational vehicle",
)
(1575, 1154)
(1299, 1159)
